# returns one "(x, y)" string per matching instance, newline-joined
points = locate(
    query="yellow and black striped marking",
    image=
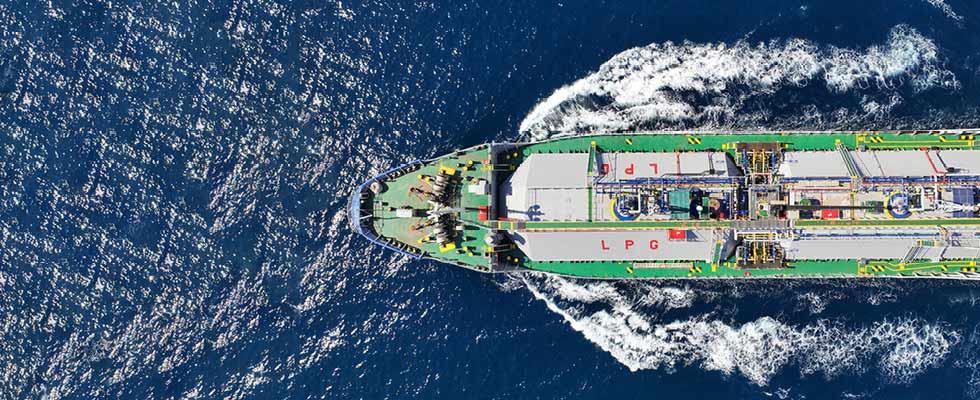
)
(876, 139)
(968, 269)
(694, 270)
(876, 268)
(942, 139)
(693, 140)
(629, 269)
(629, 141)
(944, 268)
(966, 137)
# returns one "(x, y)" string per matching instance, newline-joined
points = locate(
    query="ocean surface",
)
(174, 174)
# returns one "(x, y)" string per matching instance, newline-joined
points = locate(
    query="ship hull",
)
(690, 205)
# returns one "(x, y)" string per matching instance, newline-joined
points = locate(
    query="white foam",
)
(587, 293)
(946, 9)
(709, 83)
(919, 347)
(901, 349)
(667, 297)
(814, 302)
(969, 360)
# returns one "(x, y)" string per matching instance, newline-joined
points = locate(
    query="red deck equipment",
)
(677, 234)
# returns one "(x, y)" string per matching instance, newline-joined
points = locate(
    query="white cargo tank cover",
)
(554, 187)
(881, 163)
(631, 166)
(634, 245)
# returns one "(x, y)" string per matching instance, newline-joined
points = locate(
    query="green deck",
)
(811, 269)
(398, 229)
(794, 141)
(398, 195)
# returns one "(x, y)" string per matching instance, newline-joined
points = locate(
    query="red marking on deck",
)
(933, 164)
(677, 234)
(830, 214)
(628, 243)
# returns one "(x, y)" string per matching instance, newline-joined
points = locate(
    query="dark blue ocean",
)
(174, 176)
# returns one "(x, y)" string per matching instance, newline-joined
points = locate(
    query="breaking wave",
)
(899, 348)
(662, 86)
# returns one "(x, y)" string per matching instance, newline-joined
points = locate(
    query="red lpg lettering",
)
(629, 170)
(655, 169)
(629, 243)
(605, 168)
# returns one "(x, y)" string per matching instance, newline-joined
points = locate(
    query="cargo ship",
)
(690, 205)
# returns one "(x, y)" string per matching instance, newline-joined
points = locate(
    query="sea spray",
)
(669, 85)
(899, 349)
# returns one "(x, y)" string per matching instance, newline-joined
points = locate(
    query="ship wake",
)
(687, 85)
(629, 323)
